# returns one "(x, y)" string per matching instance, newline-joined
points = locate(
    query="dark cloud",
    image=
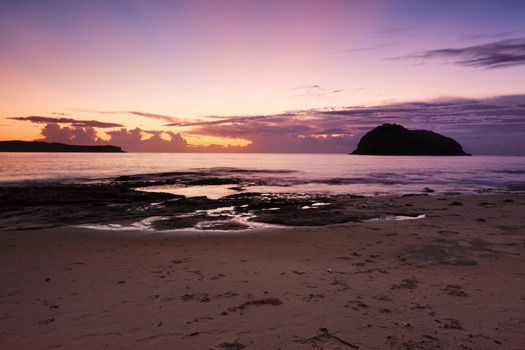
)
(71, 121)
(493, 125)
(302, 131)
(486, 126)
(498, 54)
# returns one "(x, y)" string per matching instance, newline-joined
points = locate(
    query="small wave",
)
(45, 181)
(398, 218)
(519, 187)
(510, 172)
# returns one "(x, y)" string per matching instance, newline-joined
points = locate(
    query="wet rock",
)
(455, 290)
(453, 324)
(229, 346)
(200, 297)
(46, 321)
(410, 283)
(444, 252)
(212, 181)
(325, 339)
(258, 302)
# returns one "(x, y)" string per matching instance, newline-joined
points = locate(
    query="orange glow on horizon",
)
(202, 140)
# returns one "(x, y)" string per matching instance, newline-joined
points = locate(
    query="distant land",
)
(396, 140)
(38, 146)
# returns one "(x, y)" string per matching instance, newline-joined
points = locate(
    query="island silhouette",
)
(396, 140)
(39, 146)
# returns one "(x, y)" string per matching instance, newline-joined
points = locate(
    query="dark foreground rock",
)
(36, 207)
(396, 140)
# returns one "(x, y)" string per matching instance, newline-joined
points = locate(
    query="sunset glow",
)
(187, 67)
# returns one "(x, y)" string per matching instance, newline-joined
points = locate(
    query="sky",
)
(261, 76)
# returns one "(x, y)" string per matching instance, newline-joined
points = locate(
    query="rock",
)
(394, 139)
(126, 178)
(229, 346)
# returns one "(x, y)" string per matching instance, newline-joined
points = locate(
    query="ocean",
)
(324, 173)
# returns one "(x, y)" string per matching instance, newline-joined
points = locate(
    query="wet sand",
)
(452, 280)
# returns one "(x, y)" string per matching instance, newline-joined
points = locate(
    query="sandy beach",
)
(452, 280)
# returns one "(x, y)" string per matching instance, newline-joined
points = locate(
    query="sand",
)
(452, 280)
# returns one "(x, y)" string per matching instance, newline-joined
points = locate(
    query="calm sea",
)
(336, 173)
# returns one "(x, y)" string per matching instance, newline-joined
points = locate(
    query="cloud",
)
(484, 126)
(163, 117)
(367, 48)
(301, 131)
(316, 90)
(149, 115)
(492, 36)
(131, 140)
(134, 141)
(494, 125)
(230, 120)
(70, 135)
(154, 116)
(497, 54)
(71, 121)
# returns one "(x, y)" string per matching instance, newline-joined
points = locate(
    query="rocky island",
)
(38, 146)
(396, 140)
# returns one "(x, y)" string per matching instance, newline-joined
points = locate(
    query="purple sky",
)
(261, 76)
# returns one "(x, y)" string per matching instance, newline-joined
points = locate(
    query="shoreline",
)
(129, 203)
(453, 279)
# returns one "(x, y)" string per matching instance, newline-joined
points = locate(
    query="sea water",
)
(329, 173)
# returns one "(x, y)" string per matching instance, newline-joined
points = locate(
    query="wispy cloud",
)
(367, 48)
(492, 36)
(497, 54)
(316, 90)
(235, 120)
(70, 121)
(163, 117)
(397, 31)
(154, 116)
